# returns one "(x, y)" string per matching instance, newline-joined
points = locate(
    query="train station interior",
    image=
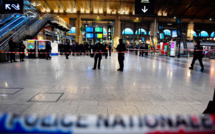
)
(160, 37)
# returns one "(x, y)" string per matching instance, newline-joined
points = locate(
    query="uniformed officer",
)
(198, 54)
(12, 46)
(48, 49)
(121, 55)
(21, 49)
(67, 48)
(98, 56)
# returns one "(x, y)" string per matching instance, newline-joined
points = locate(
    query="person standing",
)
(12, 49)
(110, 49)
(21, 49)
(106, 49)
(67, 48)
(121, 54)
(198, 54)
(98, 56)
(47, 50)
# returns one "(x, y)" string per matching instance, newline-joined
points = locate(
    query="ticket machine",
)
(164, 48)
(31, 47)
(172, 49)
(41, 48)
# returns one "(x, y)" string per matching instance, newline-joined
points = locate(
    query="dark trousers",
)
(97, 56)
(200, 61)
(121, 62)
(47, 56)
(109, 52)
(67, 56)
(22, 56)
(106, 55)
(12, 57)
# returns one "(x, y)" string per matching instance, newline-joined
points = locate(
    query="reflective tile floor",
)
(148, 85)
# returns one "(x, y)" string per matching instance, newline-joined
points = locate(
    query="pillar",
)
(190, 30)
(53, 34)
(78, 25)
(154, 33)
(117, 31)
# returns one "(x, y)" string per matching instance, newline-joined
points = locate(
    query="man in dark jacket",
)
(48, 49)
(110, 49)
(198, 54)
(98, 49)
(121, 54)
(12, 46)
(67, 48)
(21, 49)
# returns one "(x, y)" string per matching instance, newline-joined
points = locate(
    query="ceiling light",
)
(47, 10)
(61, 10)
(210, 19)
(56, 11)
(174, 17)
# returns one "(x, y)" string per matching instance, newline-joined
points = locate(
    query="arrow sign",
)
(144, 10)
(16, 7)
(7, 6)
(144, 7)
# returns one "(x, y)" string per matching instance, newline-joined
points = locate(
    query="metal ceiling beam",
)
(212, 10)
(189, 7)
(61, 5)
(47, 4)
(208, 3)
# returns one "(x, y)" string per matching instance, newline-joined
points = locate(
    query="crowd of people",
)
(83, 48)
(99, 48)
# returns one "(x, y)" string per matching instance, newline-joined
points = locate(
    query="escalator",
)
(27, 27)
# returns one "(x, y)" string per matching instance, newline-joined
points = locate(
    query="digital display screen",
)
(172, 45)
(89, 35)
(174, 33)
(99, 29)
(143, 39)
(30, 46)
(89, 29)
(99, 36)
(41, 47)
(161, 36)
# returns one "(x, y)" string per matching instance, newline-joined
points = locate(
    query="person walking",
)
(106, 49)
(121, 55)
(12, 48)
(67, 48)
(47, 50)
(21, 49)
(198, 54)
(98, 56)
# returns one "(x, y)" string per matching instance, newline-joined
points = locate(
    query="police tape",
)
(99, 124)
(128, 51)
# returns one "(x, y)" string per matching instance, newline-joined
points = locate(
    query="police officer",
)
(12, 46)
(121, 49)
(47, 50)
(21, 49)
(67, 48)
(198, 54)
(98, 56)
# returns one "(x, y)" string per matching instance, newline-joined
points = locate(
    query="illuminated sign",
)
(144, 7)
(89, 35)
(12, 6)
(98, 29)
(88, 29)
(174, 33)
(99, 36)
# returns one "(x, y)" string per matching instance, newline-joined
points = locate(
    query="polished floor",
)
(148, 85)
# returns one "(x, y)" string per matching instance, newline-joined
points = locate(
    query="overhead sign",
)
(12, 6)
(144, 7)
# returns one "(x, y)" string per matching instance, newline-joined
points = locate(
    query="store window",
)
(141, 31)
(127, 31)
(203, 34)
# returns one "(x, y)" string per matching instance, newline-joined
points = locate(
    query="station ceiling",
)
(171, 8)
